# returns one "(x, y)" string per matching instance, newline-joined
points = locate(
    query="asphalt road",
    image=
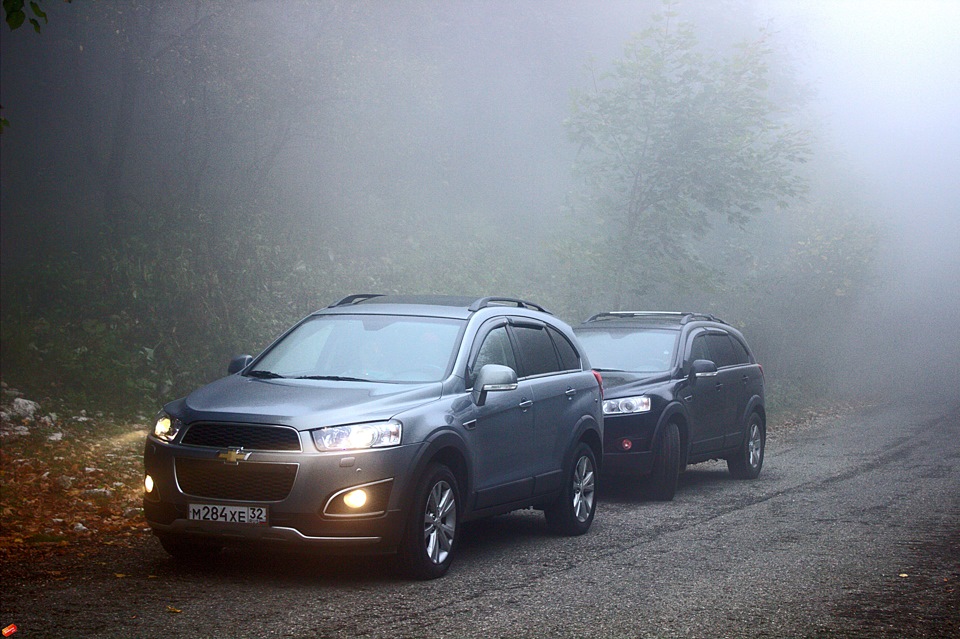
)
(852, 530)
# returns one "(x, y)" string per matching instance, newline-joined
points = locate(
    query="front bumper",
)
(638, 430)
(296, 488)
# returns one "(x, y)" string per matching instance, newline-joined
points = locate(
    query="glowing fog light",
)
(626, 444)
(355, 498)
(148, 484)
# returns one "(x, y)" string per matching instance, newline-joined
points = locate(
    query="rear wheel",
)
(748, 460)
(430, 541)
(662, 483)
(573, 511)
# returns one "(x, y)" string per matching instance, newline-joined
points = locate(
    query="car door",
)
(705, 401)
(502, 434)
(552, 392)
(729, 383)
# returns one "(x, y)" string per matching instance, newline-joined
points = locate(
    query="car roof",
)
(451, 306)
(647, 319)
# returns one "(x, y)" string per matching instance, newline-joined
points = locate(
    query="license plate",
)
(229, 514)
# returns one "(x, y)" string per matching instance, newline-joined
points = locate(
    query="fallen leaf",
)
(172, 609)
(119, 575)
(903, 574)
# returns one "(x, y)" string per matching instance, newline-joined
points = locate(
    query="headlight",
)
(166, 427)
(626, 405)
(356, 436)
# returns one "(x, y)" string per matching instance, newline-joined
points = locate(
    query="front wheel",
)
(662, 482)
(573, 511)
(430, 540)
(748, 460)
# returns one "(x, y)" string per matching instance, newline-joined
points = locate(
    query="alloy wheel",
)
(440, 522)
(584, 488)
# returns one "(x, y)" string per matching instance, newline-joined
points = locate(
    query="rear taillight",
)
(599, 382)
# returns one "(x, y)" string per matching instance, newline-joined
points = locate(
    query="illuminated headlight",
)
(148, 484)
(166, 427)
(626, 405)
(358, 436)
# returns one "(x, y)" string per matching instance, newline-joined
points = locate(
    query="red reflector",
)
(626, 444)
(599, 381)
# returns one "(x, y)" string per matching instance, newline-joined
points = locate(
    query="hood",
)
(624, 383)
(301, 403)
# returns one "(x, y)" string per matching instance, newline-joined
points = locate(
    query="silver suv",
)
(380, 424)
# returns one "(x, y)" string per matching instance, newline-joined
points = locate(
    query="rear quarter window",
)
(569, 357)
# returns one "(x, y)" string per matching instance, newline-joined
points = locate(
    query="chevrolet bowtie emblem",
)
(233, 456)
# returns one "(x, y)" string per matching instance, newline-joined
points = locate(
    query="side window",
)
(743, 357)
(569, 358)
(536, 350)
(496, 349)
(721, 349)
(698, 350)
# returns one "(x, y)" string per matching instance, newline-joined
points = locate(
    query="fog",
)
(181, 180)
(887, 80)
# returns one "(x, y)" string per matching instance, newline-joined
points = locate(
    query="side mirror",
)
(703, 368)
(493, 378)
(239, 363)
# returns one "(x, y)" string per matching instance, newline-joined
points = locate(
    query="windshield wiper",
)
(334, 378)
(265, 375)
(610, 370)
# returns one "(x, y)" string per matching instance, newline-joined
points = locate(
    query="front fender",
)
(448, 447)
(676, 412)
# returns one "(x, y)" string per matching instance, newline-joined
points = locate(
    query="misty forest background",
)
(182, 181)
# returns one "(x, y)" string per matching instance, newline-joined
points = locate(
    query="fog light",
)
(626, 444)
(355, 498)
(148, 484)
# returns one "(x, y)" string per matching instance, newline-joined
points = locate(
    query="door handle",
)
(525, 404)
(570, 392)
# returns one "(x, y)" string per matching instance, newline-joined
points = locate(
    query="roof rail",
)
(349, 300)
(484, 302)
(684, 317)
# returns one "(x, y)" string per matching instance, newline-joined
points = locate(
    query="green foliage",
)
(147, 321)
(16, 15)
(671, 140)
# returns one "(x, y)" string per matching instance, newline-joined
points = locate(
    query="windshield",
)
(375, 348)
(626, 349)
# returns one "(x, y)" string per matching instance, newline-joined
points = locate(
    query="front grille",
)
(246, 436)
(214, 479)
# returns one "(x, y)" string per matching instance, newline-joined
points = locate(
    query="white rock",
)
(55, 437)
(24, 408)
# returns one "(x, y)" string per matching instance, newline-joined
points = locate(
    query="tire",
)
(188, 550)
(430, 541)
(747, 462)
(573, 511)
(662, 482)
